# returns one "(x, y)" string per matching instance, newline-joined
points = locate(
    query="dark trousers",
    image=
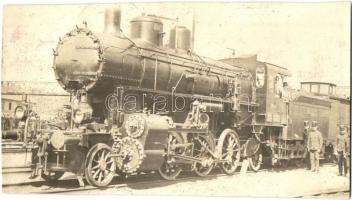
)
(341, 161)
(306, 157)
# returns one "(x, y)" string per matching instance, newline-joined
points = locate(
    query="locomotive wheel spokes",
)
(229, 151)
(201, 148)
(100, 167)
(52, 176)
(256, 161)
(169, 169)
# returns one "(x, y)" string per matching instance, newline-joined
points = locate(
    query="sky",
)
(312, 40)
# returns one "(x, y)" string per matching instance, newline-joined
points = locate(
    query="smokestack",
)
(112, 20)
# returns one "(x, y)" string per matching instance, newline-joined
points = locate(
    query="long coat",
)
(315, 140)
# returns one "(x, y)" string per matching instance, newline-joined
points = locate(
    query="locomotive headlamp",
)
(57, 140)
(19, 112)
(82, 111)
(78, 116)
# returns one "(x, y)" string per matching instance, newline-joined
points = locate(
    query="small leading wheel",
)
(256, 160)
(52, 175)
(229, 151)
(169, 169)
(100, 167)
(202, 146)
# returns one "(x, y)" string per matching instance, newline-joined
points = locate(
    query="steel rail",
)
(323, 192)
(71, 184)
(146, 182)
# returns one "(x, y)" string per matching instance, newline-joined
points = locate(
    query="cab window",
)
(278, 85)
(306, 87)
(314, 88)
(260, 77)
(324, 89)
(332, 90)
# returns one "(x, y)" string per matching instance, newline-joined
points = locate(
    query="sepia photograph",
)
(186, 99)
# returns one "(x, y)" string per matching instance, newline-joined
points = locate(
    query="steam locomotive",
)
(137, 106)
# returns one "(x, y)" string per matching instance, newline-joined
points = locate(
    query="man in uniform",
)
(348, 157)
(329, 152)
(341, 150)
(21, 129)
(305, 140)
(315, 143)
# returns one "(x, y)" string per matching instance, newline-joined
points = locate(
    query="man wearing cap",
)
(315, 143)
(305, 140)
(341, 150)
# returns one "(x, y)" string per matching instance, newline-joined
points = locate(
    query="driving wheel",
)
(100, 167)
(202, 146)
(256, 160)
(169, 170)
(229, 151)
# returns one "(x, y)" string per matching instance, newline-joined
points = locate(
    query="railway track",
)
(71, 185)
(144, 181)
(135, 182)
(16, 170)
(325, 193)
(71, 180)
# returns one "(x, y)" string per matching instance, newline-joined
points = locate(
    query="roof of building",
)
(317, 82)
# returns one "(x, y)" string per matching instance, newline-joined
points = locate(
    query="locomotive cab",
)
(270, 93)
(273, 142)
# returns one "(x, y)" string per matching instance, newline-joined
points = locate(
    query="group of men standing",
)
(314, 143)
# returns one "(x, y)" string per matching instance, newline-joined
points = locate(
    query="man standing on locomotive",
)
(315, 143)
(305, 140)
(341, 150)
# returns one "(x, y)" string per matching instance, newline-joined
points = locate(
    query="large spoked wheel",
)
(229, 151)
(201, 148)
(256, 160)
(52, 176)
(169, 169)
(100, 167)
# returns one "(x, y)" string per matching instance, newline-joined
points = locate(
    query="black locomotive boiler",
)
(137, 106)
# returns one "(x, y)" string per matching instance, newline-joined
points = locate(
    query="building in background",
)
(9, 104)
(45, 98)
